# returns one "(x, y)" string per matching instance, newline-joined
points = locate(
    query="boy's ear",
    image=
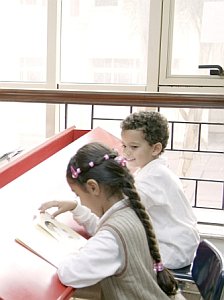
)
(157, 148)
(93, 187)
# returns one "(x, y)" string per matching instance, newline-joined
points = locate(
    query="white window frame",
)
(53, 55)
(52, 71)
(166, 78)
(53, 51)
(153, 59)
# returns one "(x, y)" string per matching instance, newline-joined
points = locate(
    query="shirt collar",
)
(117, 206)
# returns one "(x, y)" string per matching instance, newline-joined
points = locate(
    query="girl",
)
(122, 255)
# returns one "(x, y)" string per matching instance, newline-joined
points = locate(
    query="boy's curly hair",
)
(154, 126)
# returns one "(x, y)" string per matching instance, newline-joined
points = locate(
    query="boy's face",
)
(136, 149)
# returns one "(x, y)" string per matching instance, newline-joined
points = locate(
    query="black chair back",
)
(208, 271)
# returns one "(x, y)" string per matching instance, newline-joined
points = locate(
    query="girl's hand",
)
(62, 206)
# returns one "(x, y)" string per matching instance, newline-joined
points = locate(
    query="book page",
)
(50, 239)
(60, 231)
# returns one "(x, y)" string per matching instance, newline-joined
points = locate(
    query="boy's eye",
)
(129, 147)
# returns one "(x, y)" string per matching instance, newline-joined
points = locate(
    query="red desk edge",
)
(28, 160)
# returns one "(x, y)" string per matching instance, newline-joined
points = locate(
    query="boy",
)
(145, 135)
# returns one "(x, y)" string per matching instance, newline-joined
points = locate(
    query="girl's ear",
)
(93, 187)
(157, 148)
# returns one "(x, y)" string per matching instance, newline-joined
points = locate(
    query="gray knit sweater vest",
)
(136, 279)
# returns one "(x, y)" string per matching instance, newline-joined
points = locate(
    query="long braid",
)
(165, 279)
(140, 210)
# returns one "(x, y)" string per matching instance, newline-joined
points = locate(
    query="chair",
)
(186, 283)
(206, 272)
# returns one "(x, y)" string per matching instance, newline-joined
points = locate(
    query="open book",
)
(50, 239)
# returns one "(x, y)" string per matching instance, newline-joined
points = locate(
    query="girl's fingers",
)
(47, 205)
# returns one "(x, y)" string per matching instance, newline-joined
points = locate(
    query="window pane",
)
(185, 136)
(109, 125)
(111, 112)
(20, 127)
(79, 116)
(213, 133)
(189, 187)
(196, 165)
(210, 194)
(104, 41)
(198, 36)
(23, 31)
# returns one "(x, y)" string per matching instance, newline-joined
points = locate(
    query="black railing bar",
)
(172, 136)
(206, 207)
(194, 151)
(213, 224)
(196, 193)
(199, 138)
(92, 116)
(195, 196)
(172, 122)
(66, 115)
(223, 197)
(202, 179)
(107, 119)
(197, 122)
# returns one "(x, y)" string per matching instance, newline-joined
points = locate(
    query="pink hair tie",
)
(106, 157)
(158, 267)
(75, 172)
(91, 164)
(121, 160)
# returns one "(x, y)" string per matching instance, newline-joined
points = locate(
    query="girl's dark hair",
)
(97, 161)
(153, 125)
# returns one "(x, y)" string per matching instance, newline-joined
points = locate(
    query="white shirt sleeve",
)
(98, 259)
(86, 218)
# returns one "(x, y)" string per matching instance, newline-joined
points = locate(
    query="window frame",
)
(165, 78)
(53, 52)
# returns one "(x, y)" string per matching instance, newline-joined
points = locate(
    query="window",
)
(23, 31)
(106, 2)
(105, 43)
(24, 125)
(193, 35)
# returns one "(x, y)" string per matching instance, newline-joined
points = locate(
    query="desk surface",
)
(24, 275)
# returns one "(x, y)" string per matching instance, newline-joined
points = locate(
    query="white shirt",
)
(99, 258)
(172, 216)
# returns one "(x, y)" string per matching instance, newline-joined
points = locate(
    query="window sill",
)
(211, 231)
(210, 222)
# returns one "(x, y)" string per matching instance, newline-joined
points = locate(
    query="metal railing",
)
(136, 99)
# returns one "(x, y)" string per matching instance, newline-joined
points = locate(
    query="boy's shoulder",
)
(158, 164)
(158, 171)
